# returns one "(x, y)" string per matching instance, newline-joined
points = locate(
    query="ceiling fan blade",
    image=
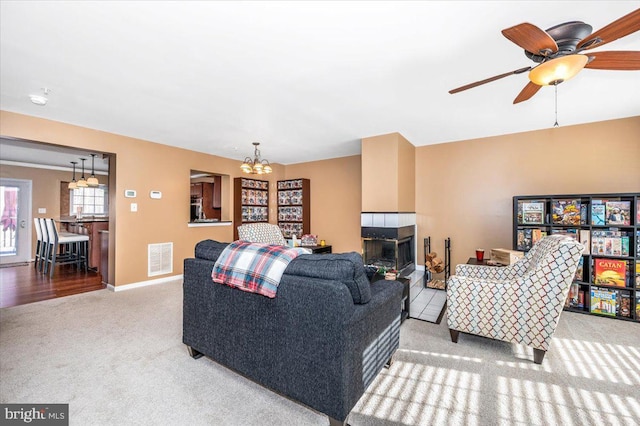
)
(618, 60)
(624, 26)
(489, 80)
(529, 90)
(531, 39)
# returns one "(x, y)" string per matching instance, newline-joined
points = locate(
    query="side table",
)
(474, 261)
(406, 298)
(318, 249)
(406, 295)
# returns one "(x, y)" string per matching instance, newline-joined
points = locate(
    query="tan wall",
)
(143, 166)
(335, 200)
(406, 175)
(45, 190)
(388, 174)
(465, 189)
(380, 191)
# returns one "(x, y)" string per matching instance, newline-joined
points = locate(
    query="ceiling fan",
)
(558, 51)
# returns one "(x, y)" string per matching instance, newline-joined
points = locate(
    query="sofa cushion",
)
(347, 268)
(209, 249)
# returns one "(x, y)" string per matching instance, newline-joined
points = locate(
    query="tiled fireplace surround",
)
(383, 232)
(388, 239)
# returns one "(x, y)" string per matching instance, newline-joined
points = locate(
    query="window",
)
(89, 201)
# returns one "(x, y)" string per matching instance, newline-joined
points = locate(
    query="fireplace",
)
(389, 242)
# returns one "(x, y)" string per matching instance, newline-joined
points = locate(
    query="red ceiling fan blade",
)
(618, 60)
(531, 39)
(489, 80)
(624, 26)
(529, 90)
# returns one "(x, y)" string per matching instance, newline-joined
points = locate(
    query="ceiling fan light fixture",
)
(558, 70)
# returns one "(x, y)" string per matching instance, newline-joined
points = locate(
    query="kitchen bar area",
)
(92, 227)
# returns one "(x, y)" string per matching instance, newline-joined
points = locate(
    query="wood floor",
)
(22, 284)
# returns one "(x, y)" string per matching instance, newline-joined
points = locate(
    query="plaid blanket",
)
(254, 267)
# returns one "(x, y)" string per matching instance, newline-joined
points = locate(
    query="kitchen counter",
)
(92, 227)
(84, 220)
(204, 224)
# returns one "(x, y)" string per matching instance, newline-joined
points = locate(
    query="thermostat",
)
(130, 193)
(155, 194)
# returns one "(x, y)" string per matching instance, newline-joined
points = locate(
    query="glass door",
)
(15, 221)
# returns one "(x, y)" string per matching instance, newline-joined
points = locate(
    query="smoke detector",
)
(39, 99)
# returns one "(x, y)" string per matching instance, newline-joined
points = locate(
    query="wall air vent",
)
(160, 259)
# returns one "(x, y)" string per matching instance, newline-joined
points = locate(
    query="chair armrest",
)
(472, 302)
(491, 272)
(487, 286)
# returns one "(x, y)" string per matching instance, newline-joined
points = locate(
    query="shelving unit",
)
(294, 211)
(250, 202)
(607, 282)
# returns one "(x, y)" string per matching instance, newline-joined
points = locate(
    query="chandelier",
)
(257, 165)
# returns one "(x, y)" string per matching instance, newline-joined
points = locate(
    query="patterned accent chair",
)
(520, 303)
(265, 233)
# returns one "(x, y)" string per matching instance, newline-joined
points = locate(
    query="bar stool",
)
(39, 242)
(44, 245)
(75, 248)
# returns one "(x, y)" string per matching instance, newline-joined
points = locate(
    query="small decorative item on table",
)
(388, 273)
(309, 240)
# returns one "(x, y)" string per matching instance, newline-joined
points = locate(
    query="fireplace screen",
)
(397, 254)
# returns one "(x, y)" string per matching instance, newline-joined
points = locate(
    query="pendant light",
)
(93, 180)
(82, 183)
(257, 165)
(73, 184)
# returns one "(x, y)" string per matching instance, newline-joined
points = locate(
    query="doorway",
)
(15, 221)
(46, 167)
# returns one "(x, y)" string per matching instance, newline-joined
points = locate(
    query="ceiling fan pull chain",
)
(556, 89)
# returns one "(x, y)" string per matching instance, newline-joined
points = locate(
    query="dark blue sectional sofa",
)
(321, 341)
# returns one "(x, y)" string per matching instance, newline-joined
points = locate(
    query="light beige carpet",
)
(117, 358)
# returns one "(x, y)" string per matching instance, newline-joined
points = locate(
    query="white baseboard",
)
(112, 287)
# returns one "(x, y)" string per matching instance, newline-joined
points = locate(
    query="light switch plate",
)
(134, 207)
(42, 210)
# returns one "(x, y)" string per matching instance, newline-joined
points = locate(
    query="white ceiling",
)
(306, 79)
(17, 151)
